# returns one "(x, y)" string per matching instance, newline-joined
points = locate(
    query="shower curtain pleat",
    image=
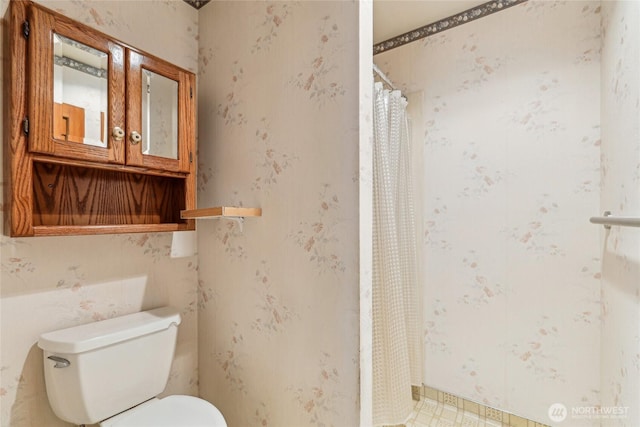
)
(397, 350)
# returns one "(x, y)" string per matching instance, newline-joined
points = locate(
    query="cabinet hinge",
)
(26, 29)
(25, 126)
(191, 92)
(190, 156)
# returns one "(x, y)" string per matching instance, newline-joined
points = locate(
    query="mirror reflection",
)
(159, 115)
(80, 92)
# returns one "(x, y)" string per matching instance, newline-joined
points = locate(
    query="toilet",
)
(111, 372)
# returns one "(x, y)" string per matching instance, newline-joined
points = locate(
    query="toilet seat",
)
(171, 411)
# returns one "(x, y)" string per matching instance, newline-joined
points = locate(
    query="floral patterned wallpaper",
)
(54, 282)
(278, 128)
(620, 175)
(510, 130)
(513, 302)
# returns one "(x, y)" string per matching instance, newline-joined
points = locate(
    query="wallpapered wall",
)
(513, 292)
(510, 129)
(278, 128)
(620, 174)
(55, 282)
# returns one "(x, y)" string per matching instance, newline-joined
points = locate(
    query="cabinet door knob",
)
(135, 137)
(117, 133)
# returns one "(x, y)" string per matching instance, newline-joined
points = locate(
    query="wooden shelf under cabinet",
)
(106, 229)
(75, 199)
(71, 195)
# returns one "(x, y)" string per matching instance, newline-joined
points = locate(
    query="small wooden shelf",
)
(220, 212)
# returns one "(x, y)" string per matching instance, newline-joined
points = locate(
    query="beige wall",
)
(54, 282)
(507, 112)
(278, 301)
(272, 310)
(278, 128)
(620, 193)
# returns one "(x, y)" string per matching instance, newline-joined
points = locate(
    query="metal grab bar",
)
(608, 220)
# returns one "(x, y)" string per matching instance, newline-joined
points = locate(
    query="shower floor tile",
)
(430, 413)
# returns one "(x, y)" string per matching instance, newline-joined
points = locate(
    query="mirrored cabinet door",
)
(160, 131)
(78, 76)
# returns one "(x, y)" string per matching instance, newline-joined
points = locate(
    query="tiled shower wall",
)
(49, 283)
(508, 117)
(278, 128)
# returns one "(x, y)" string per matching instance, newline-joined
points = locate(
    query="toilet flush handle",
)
(61, 362)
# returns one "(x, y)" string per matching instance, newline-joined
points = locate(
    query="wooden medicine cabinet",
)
(99, 136)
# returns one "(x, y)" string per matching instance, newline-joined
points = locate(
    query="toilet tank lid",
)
(79, 339)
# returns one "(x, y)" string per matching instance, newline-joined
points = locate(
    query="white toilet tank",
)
(107, 367)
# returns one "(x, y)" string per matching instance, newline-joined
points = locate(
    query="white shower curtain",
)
(397, 349)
